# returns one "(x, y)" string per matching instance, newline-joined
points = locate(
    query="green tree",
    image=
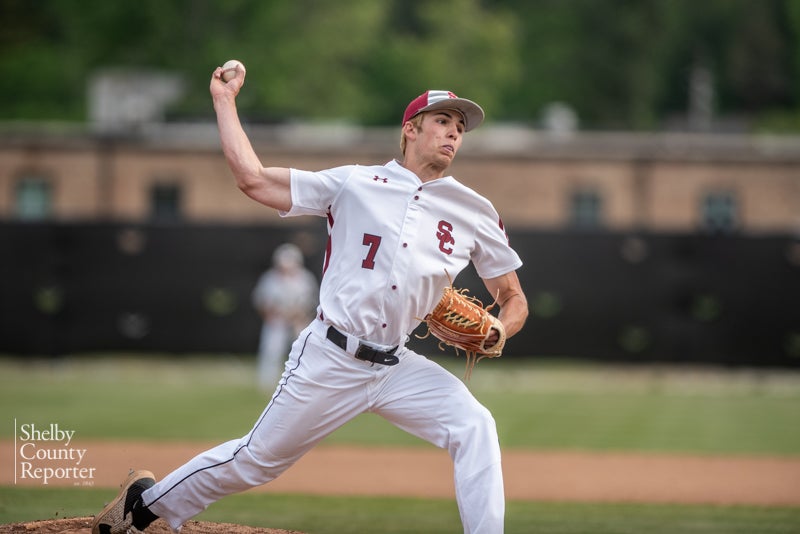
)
(619, 63)
(457, 45)
(627, 63)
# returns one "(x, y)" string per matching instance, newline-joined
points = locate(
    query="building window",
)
(165, 202)
(719, 212)
(33, 199)
(586, 209)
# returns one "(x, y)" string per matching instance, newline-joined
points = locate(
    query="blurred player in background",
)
(285, 297)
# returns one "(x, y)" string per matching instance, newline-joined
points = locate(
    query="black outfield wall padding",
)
(74, 288)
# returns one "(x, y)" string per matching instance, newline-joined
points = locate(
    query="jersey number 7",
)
(373, 242)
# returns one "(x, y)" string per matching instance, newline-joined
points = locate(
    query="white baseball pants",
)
(324, 387)
(275, 338)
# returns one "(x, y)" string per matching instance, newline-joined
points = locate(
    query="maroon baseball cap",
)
(433, 100)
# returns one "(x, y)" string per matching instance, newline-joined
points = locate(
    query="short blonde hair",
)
(416, 120)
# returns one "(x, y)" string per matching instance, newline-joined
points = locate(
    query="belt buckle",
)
(360, 353)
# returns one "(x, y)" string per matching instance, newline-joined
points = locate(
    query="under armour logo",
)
(379, 179)
(445, 237)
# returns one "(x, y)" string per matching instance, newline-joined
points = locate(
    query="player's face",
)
(440, 136)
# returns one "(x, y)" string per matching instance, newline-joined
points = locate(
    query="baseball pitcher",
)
(398, 233)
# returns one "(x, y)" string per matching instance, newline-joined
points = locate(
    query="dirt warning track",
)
(427, 472)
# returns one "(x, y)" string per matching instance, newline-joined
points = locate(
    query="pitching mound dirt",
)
(83, 525)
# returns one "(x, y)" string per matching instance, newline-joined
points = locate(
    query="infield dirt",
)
(427, 472)
(83, 525)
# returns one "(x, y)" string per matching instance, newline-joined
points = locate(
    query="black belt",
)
(365, 353)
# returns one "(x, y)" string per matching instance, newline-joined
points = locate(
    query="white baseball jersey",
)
(392, 242)
(290, 295)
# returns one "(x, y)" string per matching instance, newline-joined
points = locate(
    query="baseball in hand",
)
(229, 69)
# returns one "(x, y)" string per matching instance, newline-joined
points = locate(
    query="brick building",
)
(621, 182)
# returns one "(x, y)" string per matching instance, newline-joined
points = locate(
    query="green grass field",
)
(538, 405)
(357, 515)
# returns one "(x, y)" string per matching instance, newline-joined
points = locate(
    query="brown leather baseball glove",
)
(461, 321)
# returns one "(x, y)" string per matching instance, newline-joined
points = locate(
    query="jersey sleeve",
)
(314, 191)
(493, 255)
